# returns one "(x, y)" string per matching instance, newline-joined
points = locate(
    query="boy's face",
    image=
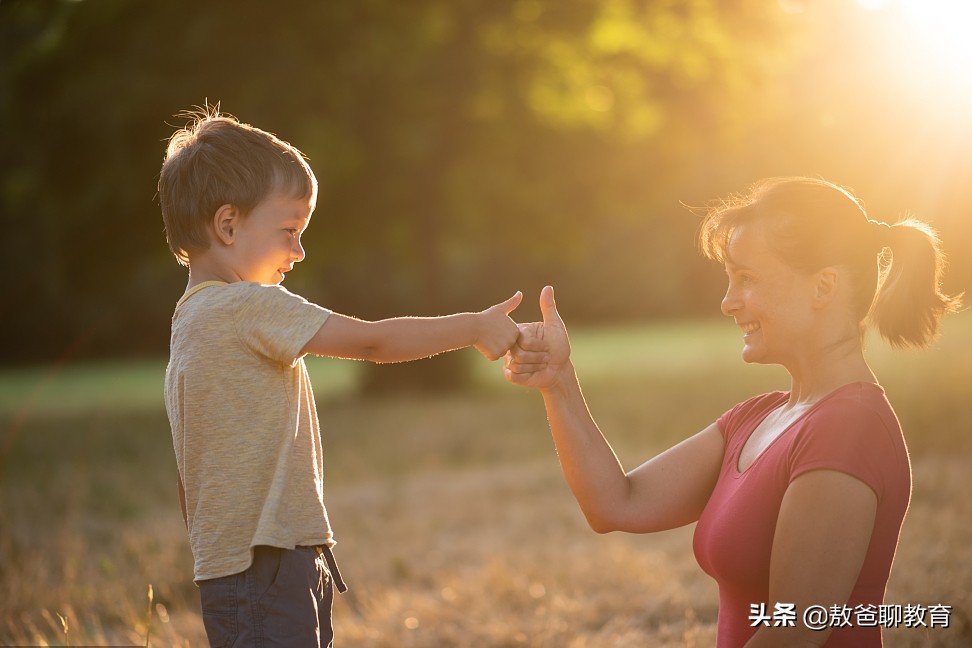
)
(266, 243)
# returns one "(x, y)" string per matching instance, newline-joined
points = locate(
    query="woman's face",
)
(770, 301)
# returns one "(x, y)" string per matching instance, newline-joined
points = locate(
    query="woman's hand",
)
(541, 355)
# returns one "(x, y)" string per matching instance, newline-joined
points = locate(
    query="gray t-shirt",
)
(244, 423)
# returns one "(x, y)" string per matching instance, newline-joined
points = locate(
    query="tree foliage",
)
(465, 148)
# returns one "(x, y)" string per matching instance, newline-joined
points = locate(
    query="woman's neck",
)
(838, 362)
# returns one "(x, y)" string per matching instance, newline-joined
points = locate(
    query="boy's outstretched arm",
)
(400, 339)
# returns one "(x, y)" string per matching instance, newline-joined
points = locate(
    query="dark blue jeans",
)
(282, 600)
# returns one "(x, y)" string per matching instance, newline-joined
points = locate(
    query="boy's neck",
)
(203, 269)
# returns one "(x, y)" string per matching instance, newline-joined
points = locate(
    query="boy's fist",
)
(498, 332)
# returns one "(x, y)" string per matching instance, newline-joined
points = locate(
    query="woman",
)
(800, 495)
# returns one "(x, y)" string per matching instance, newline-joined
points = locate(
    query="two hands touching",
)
(540, 351)
(533, 352)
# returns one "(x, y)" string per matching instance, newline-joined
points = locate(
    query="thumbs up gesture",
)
(497, 330)
(542, 349)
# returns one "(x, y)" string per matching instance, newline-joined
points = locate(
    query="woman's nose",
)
(730, 303)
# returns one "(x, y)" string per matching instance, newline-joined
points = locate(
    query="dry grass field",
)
(455, 527)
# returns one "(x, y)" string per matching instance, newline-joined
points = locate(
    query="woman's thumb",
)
(548, 307)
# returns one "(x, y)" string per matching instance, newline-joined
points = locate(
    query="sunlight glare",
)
(941, 28)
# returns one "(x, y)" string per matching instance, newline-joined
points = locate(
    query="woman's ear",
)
(826, 286)
(225, 221)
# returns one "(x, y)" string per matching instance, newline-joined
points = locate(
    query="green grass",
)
(695, 350)
(75, 390)
(136, 385)
(122, 386)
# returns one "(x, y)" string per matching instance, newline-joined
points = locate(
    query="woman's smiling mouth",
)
(749, 328)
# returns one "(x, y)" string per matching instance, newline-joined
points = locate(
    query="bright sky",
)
(935, 37)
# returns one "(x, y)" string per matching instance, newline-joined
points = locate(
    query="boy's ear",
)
(827, 283)
(225, 221)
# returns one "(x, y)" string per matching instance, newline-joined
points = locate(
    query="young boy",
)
(235, 201)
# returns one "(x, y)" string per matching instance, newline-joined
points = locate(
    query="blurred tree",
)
(465, 148)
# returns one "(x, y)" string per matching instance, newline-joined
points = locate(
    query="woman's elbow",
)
(603, 529)
(609, 522)
(601, 524)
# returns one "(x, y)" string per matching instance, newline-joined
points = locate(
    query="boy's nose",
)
(297, 251)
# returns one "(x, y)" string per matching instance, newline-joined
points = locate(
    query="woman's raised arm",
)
(665, 492)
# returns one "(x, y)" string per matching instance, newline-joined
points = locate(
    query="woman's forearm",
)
(592, 470)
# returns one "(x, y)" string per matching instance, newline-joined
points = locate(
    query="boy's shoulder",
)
(215, 294)
(265, 319)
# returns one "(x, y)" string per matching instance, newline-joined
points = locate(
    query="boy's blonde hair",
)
(215, 160)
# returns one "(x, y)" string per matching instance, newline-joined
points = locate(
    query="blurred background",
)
(465, 148)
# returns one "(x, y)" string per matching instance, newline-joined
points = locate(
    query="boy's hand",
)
(542, 350)
(497, 331)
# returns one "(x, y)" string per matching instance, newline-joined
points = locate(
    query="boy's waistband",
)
(328, 554)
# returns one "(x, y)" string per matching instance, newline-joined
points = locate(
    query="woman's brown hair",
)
(895, 270)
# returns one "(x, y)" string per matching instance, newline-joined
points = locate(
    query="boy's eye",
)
(292, 231)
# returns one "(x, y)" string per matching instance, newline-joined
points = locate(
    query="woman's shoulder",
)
(855, 402)
(856, 417)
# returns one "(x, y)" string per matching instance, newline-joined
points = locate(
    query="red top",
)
(853, 430)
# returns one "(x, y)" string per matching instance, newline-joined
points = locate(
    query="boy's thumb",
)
(548, 306)
(510, 304)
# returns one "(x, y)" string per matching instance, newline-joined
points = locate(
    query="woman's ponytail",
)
(910, 304)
